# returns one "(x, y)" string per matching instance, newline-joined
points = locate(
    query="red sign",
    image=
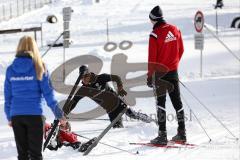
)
(199, 21)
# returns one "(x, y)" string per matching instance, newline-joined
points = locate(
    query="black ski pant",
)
(113, 114)
(170, 85)
(130, 113)
(28, 133)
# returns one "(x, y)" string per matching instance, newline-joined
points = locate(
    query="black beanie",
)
(156, 14)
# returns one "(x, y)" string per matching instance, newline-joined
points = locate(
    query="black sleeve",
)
(117, 79)
(110, 77)
(104, 78)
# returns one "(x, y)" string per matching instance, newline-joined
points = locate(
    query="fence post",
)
(4, 18)
(35, 35)
(35, 5)
(23, 6)
(41, 3)
(10, 4)
(1, 17)
(29, 5)
(17, 8)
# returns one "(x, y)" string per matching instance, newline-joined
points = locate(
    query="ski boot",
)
(161, 139)
(180, 137)
(85, 146)
(118, 124)
(139, 116)
(145, 118)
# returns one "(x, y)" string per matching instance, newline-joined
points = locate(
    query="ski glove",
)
(121, 91)
(149, 82)
(75, 145)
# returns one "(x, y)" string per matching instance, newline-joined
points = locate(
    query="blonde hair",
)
(29, 45)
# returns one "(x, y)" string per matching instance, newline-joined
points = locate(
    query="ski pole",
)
(72, 93)
(106, 144)
(215, 36)
(95, 119)
(196, 118)
(223, 125)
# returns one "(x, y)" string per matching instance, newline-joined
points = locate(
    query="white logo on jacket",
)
(170, 37)
(26, 78)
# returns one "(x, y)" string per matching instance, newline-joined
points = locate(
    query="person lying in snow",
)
(64, 137)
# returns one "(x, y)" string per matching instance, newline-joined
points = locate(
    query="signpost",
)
(67, 12)
(199, 37)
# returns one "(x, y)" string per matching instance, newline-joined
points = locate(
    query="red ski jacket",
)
(165, 48)
(64, 136)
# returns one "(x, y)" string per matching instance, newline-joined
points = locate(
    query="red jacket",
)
(165, 48)
(64, 136)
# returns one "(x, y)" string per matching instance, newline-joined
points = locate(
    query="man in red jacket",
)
(165, 52)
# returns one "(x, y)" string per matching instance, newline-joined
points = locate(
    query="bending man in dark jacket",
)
(92, 84)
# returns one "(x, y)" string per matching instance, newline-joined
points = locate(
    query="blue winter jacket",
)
(24, 93)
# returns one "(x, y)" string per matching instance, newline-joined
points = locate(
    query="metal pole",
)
(88, 119)
(196, 118)
(201, 65)
(64, 64)
(107, 31)
(52, 45)
(216, 22)
(41, 35)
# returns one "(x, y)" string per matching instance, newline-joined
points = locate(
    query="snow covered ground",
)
(219, 89)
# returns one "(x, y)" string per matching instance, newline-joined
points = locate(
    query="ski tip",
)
(85, 153)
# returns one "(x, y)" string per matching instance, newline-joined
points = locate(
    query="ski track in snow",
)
(219, 90)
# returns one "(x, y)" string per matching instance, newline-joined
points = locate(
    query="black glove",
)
(50, 147)
(75, 145)
(149, 82)
(121, 91)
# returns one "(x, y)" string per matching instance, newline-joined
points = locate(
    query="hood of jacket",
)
(22, 64)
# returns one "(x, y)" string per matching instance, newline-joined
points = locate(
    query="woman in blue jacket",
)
(27, 82)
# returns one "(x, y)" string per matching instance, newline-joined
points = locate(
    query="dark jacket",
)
(100, 84)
